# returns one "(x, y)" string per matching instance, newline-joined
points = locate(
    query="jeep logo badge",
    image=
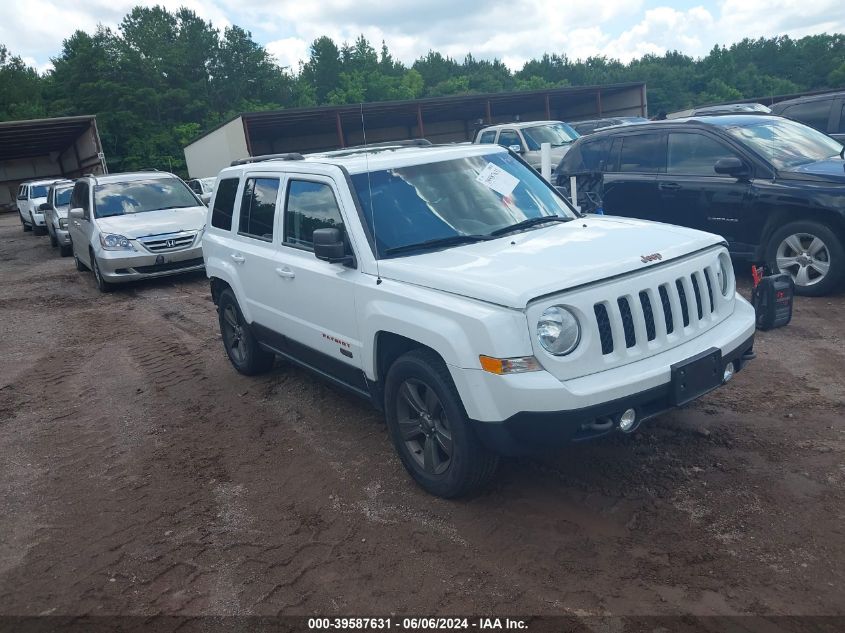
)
(654, 257)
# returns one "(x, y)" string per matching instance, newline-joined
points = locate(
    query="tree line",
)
(163, 77)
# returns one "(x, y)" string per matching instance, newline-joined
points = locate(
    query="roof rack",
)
(409, 142)
(261, 159)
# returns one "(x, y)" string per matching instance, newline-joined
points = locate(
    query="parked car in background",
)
(202, 187)
(469, 302)
(55, 215)
(588, 127)
(126, 227)
(826, 113)
(526, 138)
(722, 108)
(31, 195)
(774, 188)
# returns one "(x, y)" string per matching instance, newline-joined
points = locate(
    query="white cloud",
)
(511, 30)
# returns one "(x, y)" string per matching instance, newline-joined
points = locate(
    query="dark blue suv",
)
(773, 188)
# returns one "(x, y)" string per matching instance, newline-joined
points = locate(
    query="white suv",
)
(31, 195)
(131, 226)
(459, 292)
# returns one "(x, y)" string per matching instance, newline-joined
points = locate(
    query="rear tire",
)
(66, 250)
(430, 429)
(243, 350)
(811, 253)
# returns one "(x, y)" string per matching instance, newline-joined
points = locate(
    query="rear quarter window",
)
(487, 137)
(224, 204)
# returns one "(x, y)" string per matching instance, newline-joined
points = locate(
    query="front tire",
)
(53, 241)
(102, 284)
(65, 250)
(26, 227)
(243, 350)
(430, 429)
(811, 253)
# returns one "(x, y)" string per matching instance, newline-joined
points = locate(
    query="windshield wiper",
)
(529, 223)
(452, 240)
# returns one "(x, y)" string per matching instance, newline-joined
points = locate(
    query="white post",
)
(573, 190)
(546, 161)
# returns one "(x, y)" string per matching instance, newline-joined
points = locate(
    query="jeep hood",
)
(134, 225)
(516, 268)
(831, 171)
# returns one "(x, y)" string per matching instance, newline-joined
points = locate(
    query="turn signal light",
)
(502, 366)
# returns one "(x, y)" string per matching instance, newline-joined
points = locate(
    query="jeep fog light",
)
(509, 365)
(558, 331)
(729, 372)
(627, 420)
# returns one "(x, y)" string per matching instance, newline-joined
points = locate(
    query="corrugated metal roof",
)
(39, 137)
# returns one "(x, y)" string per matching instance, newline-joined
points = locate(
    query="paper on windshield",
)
(497, 179)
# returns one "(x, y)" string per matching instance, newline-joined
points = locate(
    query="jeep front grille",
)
(168, 243)
(631, 320)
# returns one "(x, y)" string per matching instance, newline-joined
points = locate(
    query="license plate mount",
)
(696, 376)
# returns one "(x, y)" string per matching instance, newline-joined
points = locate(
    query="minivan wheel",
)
(430, 429)
(811, 254)
(65, 250)
(79, 265)
(244, 352)
(102, 284)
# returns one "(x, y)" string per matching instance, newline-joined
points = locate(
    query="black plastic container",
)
(772, 300)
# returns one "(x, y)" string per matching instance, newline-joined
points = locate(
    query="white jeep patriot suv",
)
(459, 292)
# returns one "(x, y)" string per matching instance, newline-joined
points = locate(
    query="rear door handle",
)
(287, 273)
(669, 186)
(237, 258)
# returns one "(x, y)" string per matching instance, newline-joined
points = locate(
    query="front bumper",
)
(38, 219)
(518, 413)
(62, 236)
(123, 266)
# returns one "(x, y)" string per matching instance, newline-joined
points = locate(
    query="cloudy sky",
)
(511, 30)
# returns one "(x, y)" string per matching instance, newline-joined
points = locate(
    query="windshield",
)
(474, 195)
(557, 134)
(786, 143)
(138, 196)
(38, 191)
(62, 197)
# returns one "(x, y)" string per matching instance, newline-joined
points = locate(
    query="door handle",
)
(669, 186)
(287, 273)
(237, 258)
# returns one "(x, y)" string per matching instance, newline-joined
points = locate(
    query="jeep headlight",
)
(558, 331)
(725, 274)
(112, 242)
(62, 223)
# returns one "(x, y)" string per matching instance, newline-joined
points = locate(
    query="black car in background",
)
(825, 112)
(773, 188)
(588, 127)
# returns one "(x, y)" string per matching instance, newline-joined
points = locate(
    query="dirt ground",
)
(139, 474)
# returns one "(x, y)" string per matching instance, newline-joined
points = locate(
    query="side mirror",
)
(517, 149)
(330, 247)
(44, 206)
(206, 198)
(731, 167)
(76, 214)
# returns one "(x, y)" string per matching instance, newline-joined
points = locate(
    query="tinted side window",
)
(508, 138)
(488, 137)
(79, 198)
(258, 208)
(842, 120)
(594, 154)
(694, 154)
(812, 113)
(224, 204)
(640, 153)
(310, 205)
